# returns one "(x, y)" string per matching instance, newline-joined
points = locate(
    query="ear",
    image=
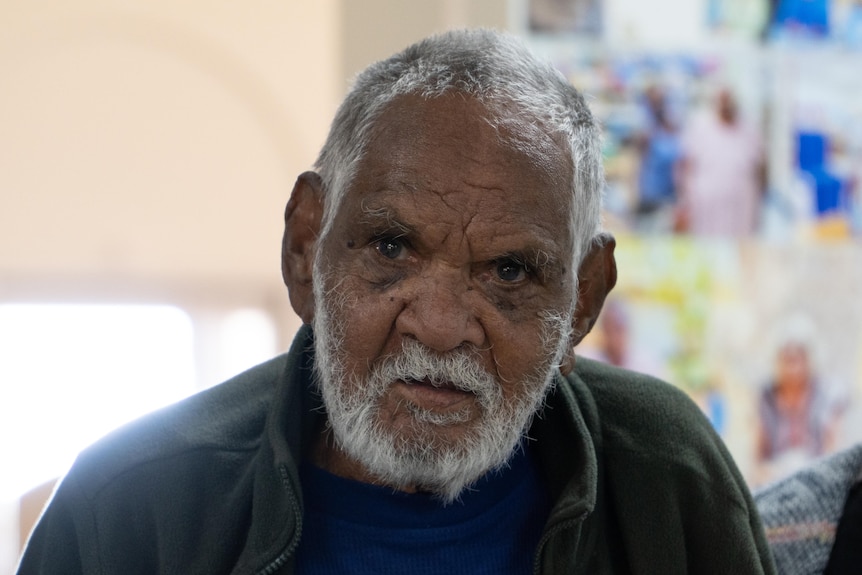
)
(303, 217)
(596, 278)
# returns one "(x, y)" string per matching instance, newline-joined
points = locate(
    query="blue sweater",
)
(353, 527)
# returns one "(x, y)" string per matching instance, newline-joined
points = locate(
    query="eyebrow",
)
(536, 258)
(384, 216)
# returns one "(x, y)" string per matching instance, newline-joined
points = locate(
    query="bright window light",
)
(247, 337)
(71, 373)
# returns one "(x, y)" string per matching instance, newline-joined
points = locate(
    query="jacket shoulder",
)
(635, 408)
(639, 417)
(173, 488)
(678, 495)
(229, 417)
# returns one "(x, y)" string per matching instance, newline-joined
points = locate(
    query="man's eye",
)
(511, 271)
(389, 248)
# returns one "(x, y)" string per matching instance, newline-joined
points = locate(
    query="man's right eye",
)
(390, 248)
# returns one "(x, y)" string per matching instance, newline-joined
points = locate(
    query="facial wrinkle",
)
(384, 214)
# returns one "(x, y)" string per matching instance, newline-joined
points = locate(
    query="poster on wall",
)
(565, 16)
(760, 335)
(745, 18)
(763, 327)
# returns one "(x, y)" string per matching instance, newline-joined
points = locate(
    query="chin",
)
(440, 459)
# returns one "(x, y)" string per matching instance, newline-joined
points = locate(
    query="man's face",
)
(444, 293)
(793, 369)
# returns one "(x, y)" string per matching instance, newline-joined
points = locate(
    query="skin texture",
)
(449, 236)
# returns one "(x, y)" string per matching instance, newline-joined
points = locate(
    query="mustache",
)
(415, 362)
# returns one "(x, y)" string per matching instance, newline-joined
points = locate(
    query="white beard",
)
(420, 456)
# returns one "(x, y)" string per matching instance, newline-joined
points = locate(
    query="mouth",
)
(435, 384)
(434, 395)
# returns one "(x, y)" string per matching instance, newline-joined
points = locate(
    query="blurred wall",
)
(374, 29)
(157, 139)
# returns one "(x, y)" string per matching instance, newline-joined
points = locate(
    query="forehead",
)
(450, 150)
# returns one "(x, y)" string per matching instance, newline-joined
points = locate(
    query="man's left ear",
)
(596, 278)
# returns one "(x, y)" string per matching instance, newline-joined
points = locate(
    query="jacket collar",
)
(567, 440)
(566, 449)
(294, 416)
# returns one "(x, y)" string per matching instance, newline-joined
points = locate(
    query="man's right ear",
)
(303, 218)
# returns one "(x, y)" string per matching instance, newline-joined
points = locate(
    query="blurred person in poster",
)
(615, 344)
(797, 417)
(659, 148)
(721, 171)
(613, 341)
(555, 16)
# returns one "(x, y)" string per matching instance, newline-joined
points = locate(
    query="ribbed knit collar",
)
(360, 503)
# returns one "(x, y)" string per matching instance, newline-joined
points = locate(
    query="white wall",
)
(150, 139)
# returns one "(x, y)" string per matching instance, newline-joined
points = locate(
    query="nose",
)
(439, 313)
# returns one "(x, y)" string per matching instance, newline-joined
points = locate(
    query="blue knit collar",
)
(364, 503)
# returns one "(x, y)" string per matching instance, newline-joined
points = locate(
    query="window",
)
(71, 373)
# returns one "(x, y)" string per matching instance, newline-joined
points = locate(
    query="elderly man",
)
(430, 417)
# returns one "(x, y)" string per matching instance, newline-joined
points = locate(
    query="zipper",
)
(279, 561)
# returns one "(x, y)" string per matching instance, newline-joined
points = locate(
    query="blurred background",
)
(147, 150)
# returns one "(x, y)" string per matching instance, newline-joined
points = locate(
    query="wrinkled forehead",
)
(523, 156)
(439, 170)
(510, 124)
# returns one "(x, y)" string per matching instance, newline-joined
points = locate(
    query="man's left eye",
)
(511, 271)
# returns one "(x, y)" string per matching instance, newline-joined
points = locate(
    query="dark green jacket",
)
(641, 483)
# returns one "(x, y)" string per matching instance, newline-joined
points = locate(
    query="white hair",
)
(522, 93)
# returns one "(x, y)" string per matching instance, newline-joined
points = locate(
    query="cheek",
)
(518, 350)
(521, 342)
(368, 321)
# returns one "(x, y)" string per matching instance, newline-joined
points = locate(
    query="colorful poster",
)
(764, 337)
